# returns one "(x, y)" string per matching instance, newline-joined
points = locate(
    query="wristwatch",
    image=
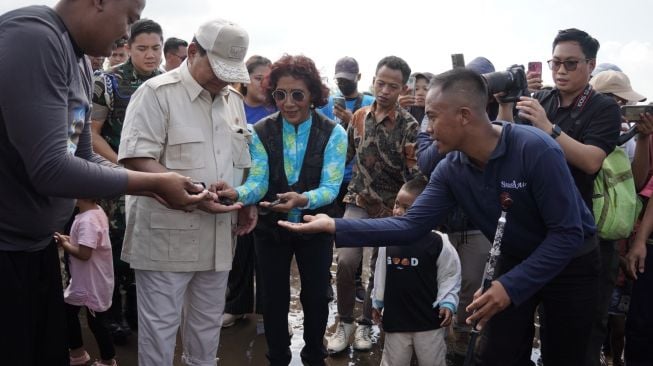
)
(555, 131)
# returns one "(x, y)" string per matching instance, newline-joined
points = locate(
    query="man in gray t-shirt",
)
(46, 160)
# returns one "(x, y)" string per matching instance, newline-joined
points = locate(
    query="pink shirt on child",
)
(91, 282)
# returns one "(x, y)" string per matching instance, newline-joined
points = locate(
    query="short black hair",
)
(588, 44)
(415, 186)
(395, 63)
(464, 82)
(172, 44)
(119, 43)
(142, 26)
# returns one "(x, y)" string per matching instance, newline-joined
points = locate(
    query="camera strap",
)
(581, 101)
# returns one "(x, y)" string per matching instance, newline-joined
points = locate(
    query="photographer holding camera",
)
(586, 124)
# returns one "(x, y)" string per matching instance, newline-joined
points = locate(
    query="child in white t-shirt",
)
(91, 284)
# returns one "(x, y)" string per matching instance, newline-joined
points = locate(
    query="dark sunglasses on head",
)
(570, 65)
(280, 95)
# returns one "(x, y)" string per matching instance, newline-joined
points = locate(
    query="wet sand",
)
(240, 345)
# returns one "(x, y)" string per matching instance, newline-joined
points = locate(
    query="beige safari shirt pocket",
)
(185, 149)
(175, 236)
(240, 138)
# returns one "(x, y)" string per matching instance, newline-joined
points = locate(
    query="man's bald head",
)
(96, 25)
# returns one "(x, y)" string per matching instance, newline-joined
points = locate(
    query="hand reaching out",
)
(319, 223)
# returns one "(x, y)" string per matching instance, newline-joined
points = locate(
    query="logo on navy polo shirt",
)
(513, 185)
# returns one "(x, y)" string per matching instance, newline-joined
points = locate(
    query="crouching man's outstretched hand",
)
(319, 223)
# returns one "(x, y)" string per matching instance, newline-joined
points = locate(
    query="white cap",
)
(226, 45)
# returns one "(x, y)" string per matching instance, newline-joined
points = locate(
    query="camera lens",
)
(499, 81)
(511, 82)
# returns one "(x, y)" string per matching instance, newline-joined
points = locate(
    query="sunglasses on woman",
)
(280, 95)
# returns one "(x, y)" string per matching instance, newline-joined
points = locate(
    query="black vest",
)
(411, 286)
(270, 132)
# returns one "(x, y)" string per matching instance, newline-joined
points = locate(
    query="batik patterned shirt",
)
(384, 158)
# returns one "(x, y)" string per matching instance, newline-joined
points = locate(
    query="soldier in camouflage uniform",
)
(111, 95)
(382, 141)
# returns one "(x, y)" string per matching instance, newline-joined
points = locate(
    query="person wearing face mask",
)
(347, 75)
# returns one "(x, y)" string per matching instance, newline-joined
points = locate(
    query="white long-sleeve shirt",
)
(448, 276)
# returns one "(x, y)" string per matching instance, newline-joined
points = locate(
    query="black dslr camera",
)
(512, 82)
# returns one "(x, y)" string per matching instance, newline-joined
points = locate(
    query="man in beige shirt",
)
(189, 122)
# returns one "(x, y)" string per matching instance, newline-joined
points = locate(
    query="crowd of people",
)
(181, 193)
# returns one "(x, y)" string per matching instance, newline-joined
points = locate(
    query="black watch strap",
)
(555, 131)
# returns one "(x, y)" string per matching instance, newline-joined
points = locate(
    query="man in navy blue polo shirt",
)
(549, 252)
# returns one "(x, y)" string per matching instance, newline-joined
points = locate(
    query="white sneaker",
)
(231, 319)
(362, 339)
(339, 341)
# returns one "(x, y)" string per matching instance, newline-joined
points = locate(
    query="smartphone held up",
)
(535, 67)
(457, 60)
(411, 84)
(339, 101)
(633, 113)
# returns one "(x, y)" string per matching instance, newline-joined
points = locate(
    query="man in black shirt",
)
(586, 124)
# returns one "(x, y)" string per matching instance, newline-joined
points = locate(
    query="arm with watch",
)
(585, 157)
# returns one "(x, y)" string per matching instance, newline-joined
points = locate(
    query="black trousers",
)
(275, 248)
(567, 301)
(97, 323)
(33, 330)
(639, 322)
(124, 279)
(607, 281)
(240, 288)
